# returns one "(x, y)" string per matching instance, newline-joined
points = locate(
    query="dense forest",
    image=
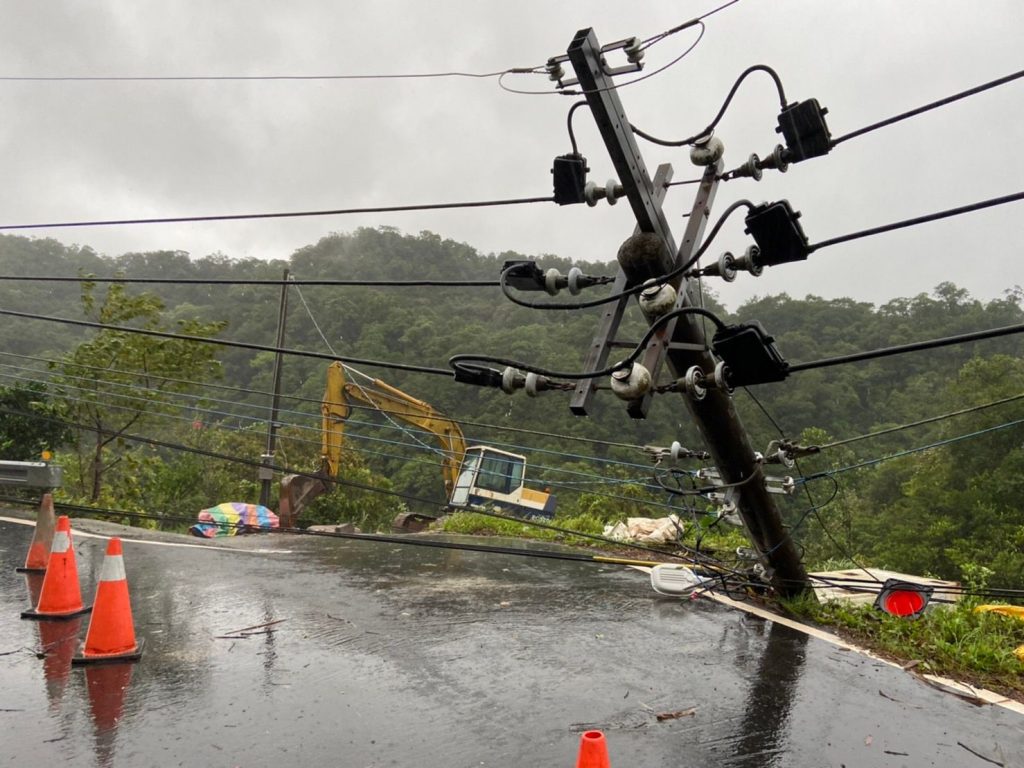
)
(952, 510)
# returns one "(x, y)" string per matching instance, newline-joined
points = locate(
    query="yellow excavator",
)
(474, 476)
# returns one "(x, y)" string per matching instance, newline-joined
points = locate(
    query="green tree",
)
(31, 423)
(124, 381)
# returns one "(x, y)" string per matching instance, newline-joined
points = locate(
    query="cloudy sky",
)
(101, 150)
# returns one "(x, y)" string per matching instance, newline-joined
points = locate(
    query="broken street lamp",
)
(777, 232)
(903, 598)
(750, 354)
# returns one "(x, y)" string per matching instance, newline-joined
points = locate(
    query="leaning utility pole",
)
(681, 340)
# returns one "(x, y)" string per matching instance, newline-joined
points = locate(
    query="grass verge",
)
(954, 641)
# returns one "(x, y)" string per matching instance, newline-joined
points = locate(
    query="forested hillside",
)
(944, 510)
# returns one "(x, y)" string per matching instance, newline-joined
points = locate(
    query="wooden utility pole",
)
(266, 474)
(680, 342)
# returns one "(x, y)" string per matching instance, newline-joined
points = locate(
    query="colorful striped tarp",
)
(232, 518)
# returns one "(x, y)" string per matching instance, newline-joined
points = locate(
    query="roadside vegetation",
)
(949, 641)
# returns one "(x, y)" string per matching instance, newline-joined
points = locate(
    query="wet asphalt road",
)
(400, 656)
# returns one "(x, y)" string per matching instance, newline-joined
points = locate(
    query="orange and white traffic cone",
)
(42, 539)
(60, 597)
(111, 634)
(593, 751)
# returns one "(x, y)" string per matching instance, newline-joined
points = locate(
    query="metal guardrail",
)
(31, 474)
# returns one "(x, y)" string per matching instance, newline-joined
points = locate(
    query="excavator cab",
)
(490, 477)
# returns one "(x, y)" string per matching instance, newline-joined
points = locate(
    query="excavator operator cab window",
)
(500, 473)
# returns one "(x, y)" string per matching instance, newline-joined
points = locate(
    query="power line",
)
(285, 214)
(927, 107)
(903, 348)
(232, 281)
(921, 422)
(909, 451)
(225, 343)
(707, 132)
(918, 220)
(263, 78)
(315, 401)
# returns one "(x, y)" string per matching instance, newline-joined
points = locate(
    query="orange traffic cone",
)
(60, 597)
(593, 751)
(42, 539)
(111, 635)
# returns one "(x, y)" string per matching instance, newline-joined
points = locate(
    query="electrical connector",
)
(777, 232)
(749, 354)
(802, 125)
(570, 178)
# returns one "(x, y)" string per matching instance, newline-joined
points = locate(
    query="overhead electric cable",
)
(927, 107)
(253, 463)
(317, 401)
(284, 214)
(918, 220)
(465, 362)
(909, 451)
(276, 283)
(920, 422)
(258, 78)
(917, 346)
(709, 131)
(668, 276)
(224, 342)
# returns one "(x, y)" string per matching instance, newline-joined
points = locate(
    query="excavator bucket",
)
(296, 491)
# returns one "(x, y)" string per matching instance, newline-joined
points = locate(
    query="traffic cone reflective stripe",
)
(42, 538)
(60, 597)
(593, 751)
(111, 634)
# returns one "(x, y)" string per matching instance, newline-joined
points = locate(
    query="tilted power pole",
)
(681, 342)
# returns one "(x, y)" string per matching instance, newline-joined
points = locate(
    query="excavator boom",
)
(299, 490)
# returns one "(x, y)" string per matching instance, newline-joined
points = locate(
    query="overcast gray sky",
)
(75, 151)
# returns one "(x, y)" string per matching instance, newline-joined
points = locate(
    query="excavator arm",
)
(297, 491)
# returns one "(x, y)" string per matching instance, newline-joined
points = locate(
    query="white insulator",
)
(676, 449)
(656, 300)
(551, 281)
(707, 151)
(533, 380)
(592, 193)
(749, 261)
(727, 267)
(613, 191)
(575, 274)
(631, 383)
(511, 380)
(722, 377)
(694, 383)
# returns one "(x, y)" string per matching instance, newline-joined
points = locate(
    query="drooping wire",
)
(232, 281)
(909, 451)
(592, 478)
(252, 463)
(927, 107)
(900, 349)
(659, 70)
(709, 131)
(668, 276)
(223, 342)
(465, 362)
(813, 507)
(263, 78)
(314, 401)
(283, 214)
(1012, 198)
(920, 422)
(568, 124)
